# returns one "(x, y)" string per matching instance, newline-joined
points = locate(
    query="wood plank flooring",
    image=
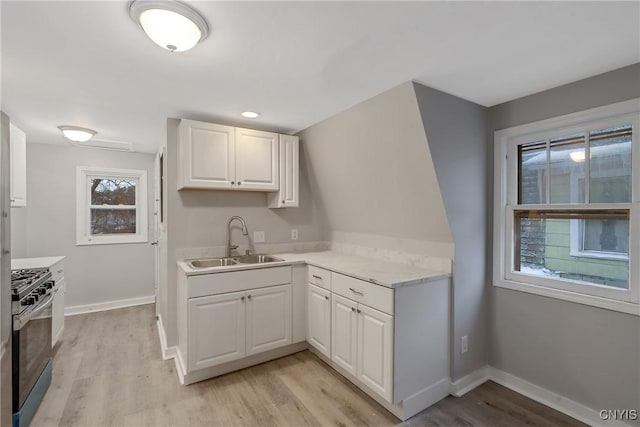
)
(108, 371)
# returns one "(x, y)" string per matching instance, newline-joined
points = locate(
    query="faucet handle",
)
(247, 252)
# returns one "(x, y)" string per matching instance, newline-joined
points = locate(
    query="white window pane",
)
(566, 164)
(542, 246)
(113, 221)
(532, 172)
(113, 191)
(610, 165)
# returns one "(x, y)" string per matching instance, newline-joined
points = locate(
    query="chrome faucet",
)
(245, 232)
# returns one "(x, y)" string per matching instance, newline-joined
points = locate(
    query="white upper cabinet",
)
(256, 160)
(218, 157)
(18, 167)
(289, 153)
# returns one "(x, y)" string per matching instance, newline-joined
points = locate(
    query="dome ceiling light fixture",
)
(250, 114)
(171, 24)
(76, 133)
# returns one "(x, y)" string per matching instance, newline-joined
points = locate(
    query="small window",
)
(111, 206)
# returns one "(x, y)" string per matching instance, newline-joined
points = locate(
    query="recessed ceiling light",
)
(171, 24)
(77, 134)
(250, 114)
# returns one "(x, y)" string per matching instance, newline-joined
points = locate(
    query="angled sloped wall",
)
(371, 172)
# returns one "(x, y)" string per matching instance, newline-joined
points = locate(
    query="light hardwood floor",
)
(108, 372)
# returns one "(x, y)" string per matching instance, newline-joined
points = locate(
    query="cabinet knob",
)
(241, 298)
(326, 297)
(353, 309)
(239, 182)
(283, 202)
(249, 296)
(359, 311)
(233, 182)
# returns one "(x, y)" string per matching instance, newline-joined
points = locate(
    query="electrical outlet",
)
(294, 234)
(258, 236)
(464, 344)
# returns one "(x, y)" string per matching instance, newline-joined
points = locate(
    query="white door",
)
(268, 318)
(216, 329)
(319, 319)
(206, 155)
(256, 160)
(375, 350)
(289, 157)
(18, 167)
(344, 327)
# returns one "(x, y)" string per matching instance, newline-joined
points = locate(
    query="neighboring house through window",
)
(566, 207)
(111, 206)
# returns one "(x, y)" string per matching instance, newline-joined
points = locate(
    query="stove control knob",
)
(41, 291)
(49, 285)
(28, 301)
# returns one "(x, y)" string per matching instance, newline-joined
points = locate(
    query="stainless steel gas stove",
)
(31, 299)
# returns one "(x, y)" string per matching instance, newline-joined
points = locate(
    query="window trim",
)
(82, 207)
(505, 192)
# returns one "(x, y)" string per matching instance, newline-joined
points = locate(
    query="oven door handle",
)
(20, 321)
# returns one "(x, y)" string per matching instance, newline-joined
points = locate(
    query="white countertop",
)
(43, 262)
(383, 273)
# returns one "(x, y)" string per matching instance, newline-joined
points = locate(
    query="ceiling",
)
(86, 63)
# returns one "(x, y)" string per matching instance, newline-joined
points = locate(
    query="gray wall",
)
(455, 130)
(47, 226)
(198, 219)
(587, 354)
(372, 173)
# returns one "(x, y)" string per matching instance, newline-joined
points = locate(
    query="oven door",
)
(31, 349)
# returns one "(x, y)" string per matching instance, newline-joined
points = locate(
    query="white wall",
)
(47, 227)
(371, 171)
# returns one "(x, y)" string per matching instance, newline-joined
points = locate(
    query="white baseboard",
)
(469, 382)
(167, 352)
(541, 395)
(553, 400)
(110, 305)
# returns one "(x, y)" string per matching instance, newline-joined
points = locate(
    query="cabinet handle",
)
(317, 277)
(233, 182)
(326, 297)
(356, 292)
(283, 202)
(359, 311)
(249, 296)
(239, 182)
(353, 309)
(242, 299)
(60, 271)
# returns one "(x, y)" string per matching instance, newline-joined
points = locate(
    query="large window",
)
(566, 209)
(111, 206)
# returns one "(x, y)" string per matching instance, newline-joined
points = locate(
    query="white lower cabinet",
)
(319, 319)
(362, 343)
(226, 327)
(268, 318)
(375, 350)
(344, 324)
(216, 329)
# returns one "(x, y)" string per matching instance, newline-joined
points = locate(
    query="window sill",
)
(112, 241)
(605, 303)
(599, 255)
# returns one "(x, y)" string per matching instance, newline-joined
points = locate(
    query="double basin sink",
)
(227, 261)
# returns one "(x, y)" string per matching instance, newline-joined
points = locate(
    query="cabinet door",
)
(375, 350)
(57, 315)
(206, 155)
(319, 319)
(287, 195)
(216, 330)
(18, 167)
(344, 328)
(268, 318)
(256, 160)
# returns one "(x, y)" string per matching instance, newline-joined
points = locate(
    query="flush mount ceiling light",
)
(77, 134)
(171, 24)
(250, 114)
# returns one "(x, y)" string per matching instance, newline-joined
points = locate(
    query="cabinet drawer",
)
(376, 296)
(320, 277)
(57, 271)
(234, 281)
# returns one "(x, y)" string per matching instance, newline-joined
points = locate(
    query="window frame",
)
(83, 206)
(506, 142)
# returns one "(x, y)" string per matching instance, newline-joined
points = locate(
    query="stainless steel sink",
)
(256, 259)
(212, 262)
